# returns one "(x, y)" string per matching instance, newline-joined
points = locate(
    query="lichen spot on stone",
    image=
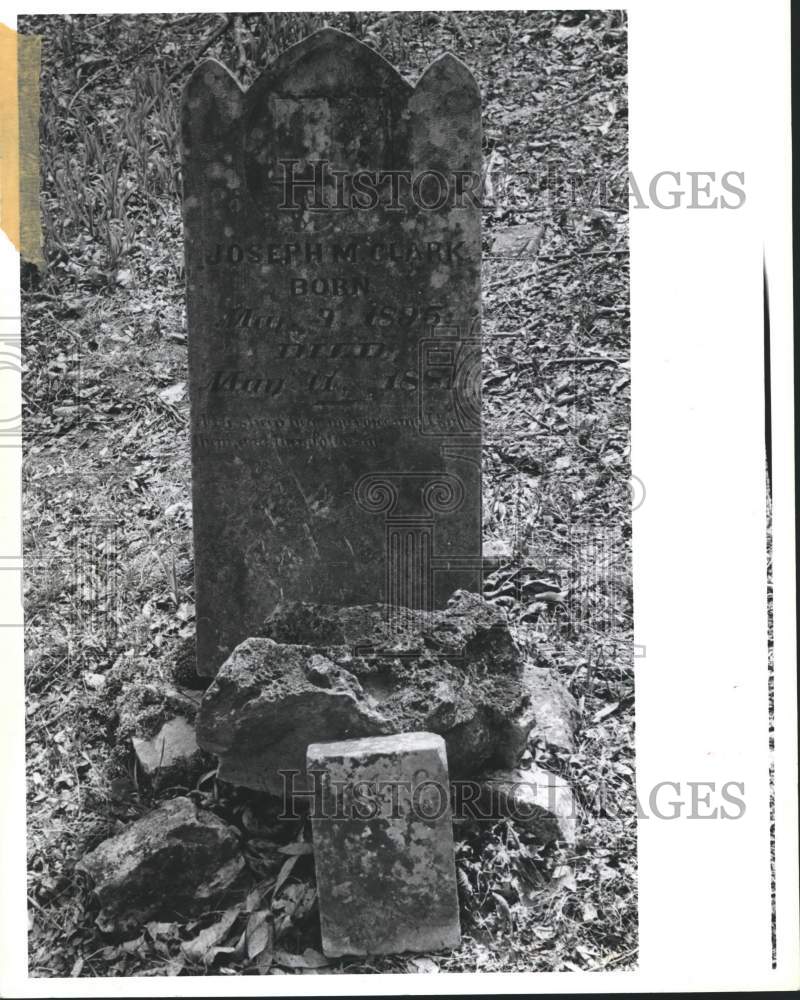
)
(439, 279)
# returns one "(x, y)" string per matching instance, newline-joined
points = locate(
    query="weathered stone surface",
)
(383, 845)
(143, 706)
(333, 250)
(556, 714)
(172, 755)
(456, 672)
(469, 627)
(173, 861)
(536, 799)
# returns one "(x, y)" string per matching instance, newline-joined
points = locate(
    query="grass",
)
(109, 588)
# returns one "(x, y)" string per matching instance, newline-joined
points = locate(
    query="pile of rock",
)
(327, 673)
(321, 674)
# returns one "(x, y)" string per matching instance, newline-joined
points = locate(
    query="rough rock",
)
(556, 712)
(326, 673)
(171, 862)
(143, 706)
(172, 755)
(469, 627)
(383, 845)
(536, 799)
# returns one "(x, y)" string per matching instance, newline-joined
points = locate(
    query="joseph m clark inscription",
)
(332, 242)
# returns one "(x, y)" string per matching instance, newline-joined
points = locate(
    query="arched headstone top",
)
(213, 102)
(450, 73)
(328, 63)
(331, 61)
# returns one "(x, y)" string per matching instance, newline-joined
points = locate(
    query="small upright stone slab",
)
(383, 845)
(333, 260)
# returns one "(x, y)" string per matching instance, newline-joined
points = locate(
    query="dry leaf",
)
(254, 897)
(284, 873)
(158, 929)
(174, 394)
(202, 948)
(258, 933)
(562, 32)
(264, 960)
(563, 878)
(422, 964)
(296, 849)
(605, 712)
(310, 959)
(295, 903)
(504, 908)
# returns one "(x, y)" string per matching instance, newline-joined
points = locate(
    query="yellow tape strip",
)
(20, 63)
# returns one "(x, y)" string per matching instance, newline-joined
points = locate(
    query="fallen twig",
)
(182, 70)
(582, 359)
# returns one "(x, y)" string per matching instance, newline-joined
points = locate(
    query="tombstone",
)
(383, 845)
(332, 238)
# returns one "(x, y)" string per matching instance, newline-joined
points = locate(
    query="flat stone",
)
(518, 242)
(334, 334)
(456, 672)
(383, 845)
(171, 863)
(496, 553)
(535, 799)
(172, 755)
(143, 707)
